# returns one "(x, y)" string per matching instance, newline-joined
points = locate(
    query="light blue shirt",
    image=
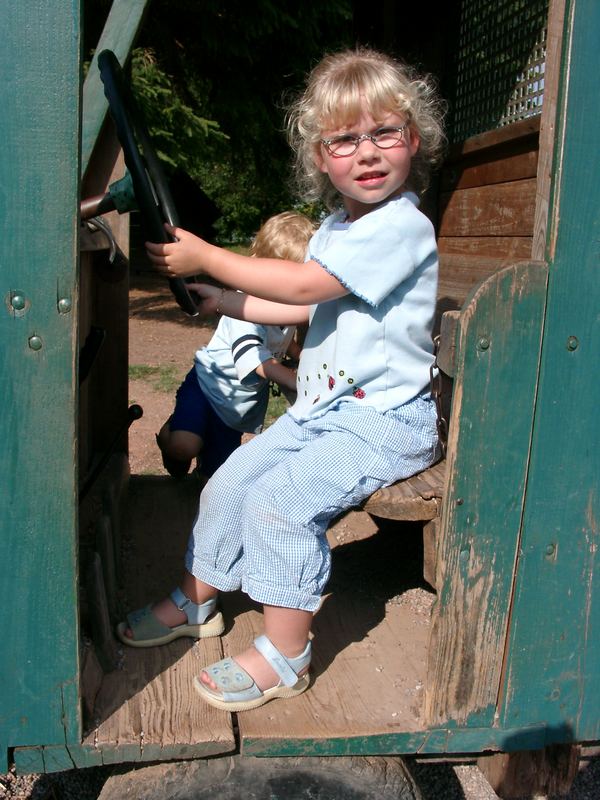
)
(226, 370)
(373, 345)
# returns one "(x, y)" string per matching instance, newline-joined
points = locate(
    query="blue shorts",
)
(195, 414)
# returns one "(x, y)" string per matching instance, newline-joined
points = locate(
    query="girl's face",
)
(371, 174)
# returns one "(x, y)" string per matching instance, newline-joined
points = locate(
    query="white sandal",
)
(237, 690)
(203, 621)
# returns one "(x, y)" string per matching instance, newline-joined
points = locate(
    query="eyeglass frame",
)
(358, 139)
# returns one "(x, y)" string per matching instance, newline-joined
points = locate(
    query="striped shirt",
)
(226, 370)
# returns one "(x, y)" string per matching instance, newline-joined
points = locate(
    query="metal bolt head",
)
(572, 343)
(17, 301)
(35, 342)
(64, 305)
(483, 343)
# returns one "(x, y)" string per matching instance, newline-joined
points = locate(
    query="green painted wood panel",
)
(120, 30)
(39, 178)
(554, 658)
(499, 344)
(60, 757)
(450, 741)
(439, 741)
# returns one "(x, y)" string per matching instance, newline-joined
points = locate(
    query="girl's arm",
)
(238, 305)
(266, 278)
(274, 371)
(294, 350)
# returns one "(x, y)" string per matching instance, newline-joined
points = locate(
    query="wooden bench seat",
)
(416, 499)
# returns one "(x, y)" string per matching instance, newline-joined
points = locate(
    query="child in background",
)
(365, 131)
(226, 393)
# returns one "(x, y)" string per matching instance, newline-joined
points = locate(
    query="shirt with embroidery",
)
(373, 345)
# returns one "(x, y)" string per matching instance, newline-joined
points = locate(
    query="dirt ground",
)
(161, 336)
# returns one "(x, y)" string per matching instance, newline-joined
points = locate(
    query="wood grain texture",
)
(505, 209)
(460, 274)
(483, 169)
(487, 461)
(507, 249)
(39, 175)
(416, 498)
(368, 653)
(556, 613)
(146, 708)
(548, 128)
(531, 773)
(490, 140)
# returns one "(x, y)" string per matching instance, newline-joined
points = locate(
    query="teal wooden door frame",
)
(39, 180)
(553, 665)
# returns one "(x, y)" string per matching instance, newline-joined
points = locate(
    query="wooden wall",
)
(103, 306)
(487, 201)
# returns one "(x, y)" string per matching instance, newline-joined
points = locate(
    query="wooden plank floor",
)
(370, 639)
(149, 700)
(370, 642)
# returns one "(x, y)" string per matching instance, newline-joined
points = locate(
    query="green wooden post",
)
(120, 30)
(39, 180)
(554, 655)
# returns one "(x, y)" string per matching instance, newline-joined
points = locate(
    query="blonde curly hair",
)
(334, 98)
(284, 235)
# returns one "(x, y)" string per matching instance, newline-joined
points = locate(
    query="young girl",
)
(365, 132)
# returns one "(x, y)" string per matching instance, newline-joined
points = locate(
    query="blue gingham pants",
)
(263, 516)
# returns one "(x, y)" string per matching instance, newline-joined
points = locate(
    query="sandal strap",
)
(144, 625)
(196, 613)
(287, 668)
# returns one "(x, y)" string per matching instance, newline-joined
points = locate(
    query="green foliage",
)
(211, 78)
(179, 133)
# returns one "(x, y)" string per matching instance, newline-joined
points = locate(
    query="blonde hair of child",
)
(334, 97)
(284, 235)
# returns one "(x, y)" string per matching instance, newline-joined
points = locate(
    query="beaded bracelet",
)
(220, 301)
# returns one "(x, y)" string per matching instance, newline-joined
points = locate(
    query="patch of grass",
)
(166, 379)
(161, 379)
(277, 406)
